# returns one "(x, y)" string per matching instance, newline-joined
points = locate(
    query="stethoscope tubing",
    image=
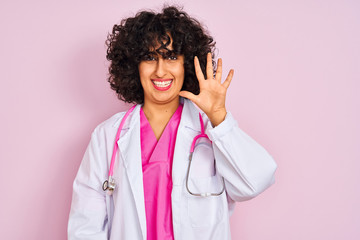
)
(109, 185)
(117, 139)
(201, 135)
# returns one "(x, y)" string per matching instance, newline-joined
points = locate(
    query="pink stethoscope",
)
(109, 184)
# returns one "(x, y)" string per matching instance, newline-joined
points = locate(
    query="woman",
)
(163, 62)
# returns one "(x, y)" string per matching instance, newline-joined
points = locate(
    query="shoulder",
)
(110, 126)
(111, 123)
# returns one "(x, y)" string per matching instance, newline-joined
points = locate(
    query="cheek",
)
(180, 72)
(142, 69)
(180, 78)
(143, 73)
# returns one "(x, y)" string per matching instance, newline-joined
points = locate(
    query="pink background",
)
(295, 90)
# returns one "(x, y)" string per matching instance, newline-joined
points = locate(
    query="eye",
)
(149, 58)
(172, 57)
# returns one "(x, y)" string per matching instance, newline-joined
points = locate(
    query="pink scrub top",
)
(157, 157)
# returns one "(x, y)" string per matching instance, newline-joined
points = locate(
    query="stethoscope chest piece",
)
(109, 186)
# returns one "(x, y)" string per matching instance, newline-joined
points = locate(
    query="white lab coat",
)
(246, 167)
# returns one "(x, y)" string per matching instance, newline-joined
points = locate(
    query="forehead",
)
(161, 44)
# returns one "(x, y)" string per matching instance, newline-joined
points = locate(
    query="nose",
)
(160, 70)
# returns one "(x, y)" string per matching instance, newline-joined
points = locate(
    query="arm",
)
(245, 165)
(88, 217)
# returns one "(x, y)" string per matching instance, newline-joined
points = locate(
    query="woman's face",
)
(161, 77)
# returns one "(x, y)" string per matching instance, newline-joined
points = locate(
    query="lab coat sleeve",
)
(88, 215)
(247, 167)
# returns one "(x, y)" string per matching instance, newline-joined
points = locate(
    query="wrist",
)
(217, 117)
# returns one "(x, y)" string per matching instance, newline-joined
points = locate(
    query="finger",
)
(198, 72)
(209, 67)
(228, 79)
(188, 95)
(218, 70)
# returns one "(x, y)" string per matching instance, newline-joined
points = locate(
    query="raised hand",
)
(211, 98)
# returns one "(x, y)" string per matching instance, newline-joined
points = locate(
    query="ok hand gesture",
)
(211, 99)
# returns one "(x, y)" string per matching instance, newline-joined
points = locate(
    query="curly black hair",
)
(131, 40)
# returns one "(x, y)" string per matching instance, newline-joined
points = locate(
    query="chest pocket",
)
(204, 211)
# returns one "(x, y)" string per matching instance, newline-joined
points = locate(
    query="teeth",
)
(162, 83)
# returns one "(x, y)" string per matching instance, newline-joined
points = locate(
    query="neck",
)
(160, 112)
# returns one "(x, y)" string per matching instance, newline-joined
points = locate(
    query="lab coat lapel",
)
(189, 127)
(130, 150)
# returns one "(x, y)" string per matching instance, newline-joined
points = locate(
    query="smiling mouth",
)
(162, 84)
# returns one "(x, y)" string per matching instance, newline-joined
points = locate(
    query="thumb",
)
(188, 95)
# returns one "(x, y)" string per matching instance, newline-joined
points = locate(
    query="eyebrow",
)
(165, 53)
